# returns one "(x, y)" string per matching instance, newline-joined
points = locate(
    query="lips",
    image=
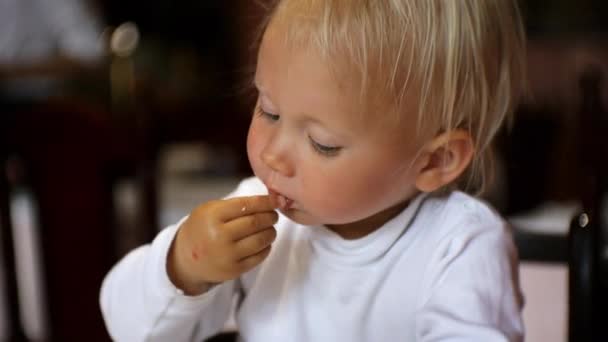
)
(285, 203)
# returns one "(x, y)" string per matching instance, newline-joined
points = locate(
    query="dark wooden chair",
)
(588, 239)
(14, 324)
(67, 152)
(582, 249)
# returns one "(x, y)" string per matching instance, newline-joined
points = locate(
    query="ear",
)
(444, 159)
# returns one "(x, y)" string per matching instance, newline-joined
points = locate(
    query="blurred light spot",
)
(583, 220)
(125, 39)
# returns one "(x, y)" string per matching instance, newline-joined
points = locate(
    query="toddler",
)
(371, 115)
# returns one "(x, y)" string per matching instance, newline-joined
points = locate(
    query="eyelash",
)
(326, 151)
(268, 116)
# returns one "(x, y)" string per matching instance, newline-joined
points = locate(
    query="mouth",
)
(285, 203)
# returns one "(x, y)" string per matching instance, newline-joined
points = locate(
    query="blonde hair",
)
(460, 62)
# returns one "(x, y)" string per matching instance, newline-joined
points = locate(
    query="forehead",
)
(298, 79)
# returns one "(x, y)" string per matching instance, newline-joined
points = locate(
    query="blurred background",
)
(118, 117)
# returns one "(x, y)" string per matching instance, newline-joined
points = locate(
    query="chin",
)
(300, 217)
(306, 219)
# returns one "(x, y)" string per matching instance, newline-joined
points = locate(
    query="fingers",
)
(254, 260)
(222, 239)
(242, 206)
(244, 226)
(254, 244)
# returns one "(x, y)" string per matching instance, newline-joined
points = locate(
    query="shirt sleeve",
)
(140, 303)
(471, 293)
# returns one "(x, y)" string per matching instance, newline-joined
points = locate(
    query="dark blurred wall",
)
(559, 17)
(566, 39)
(192, 67)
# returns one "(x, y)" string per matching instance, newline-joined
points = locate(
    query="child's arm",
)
(218, 242)
(472, 290)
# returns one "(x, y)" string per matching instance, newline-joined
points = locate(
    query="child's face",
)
(308, 143)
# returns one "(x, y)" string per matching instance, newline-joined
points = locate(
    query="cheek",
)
(255, 144)
(252, 141)
(335, 196)
(340, 197)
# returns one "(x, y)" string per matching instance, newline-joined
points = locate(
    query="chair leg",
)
(14, 323)
(582, 277)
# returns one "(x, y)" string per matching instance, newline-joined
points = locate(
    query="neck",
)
(359, 229)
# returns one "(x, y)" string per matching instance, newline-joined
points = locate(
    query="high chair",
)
(583, 248)
(588, 237)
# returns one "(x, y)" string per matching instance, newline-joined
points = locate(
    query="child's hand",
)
(220, 240)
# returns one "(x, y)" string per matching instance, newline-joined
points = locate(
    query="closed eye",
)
(267, 115)
(327, 151)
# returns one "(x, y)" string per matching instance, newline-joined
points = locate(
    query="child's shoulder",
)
(458, 214)
(471, 207)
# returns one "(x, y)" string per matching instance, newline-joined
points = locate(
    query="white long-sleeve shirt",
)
(444, 269)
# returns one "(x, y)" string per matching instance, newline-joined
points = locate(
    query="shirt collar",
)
(358, 252)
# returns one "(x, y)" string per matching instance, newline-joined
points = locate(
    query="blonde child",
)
(370, 112)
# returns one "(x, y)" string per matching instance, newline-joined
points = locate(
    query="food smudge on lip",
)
(285, 203)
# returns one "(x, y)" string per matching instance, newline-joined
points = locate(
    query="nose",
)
(277, 160)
